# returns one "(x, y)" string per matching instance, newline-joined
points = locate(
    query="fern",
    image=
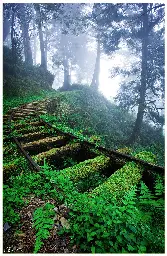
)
(145, 194)
(43, 222)
(130, 196)
(159, 186)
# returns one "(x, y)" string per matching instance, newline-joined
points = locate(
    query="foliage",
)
(86, 168)
(99, 224)
(11, 102)
(22, 79)
(112, 228)
(12, 201)
(43, 222)
(90, 182)
(146, 156)
(88, 115)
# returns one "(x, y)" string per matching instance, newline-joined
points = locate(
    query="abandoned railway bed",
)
(40, 142)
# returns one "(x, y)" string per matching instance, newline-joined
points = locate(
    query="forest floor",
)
(23, 241)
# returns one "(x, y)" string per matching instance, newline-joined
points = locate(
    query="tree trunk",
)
(42, 48)
(6, 29)
(46, 44)
(41, 40)
(26, 38)
(141, 107)
(66, 83)
(35, 50)
(65, 51)
(95, 80)
(12, 35)
(34, 41)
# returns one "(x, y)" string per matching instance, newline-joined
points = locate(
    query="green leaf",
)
(130, 248)
(142, 249)
(93, 249)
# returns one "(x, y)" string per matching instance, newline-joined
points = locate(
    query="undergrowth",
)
(98, 224)
(43, 222)
(86, 113)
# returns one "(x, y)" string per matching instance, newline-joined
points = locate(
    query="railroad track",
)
(38, 141)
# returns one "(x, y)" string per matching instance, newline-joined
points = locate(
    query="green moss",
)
(8, 168)
(147, 156)
(69, 149)
(87, 167)
(125, 150)
(123, 179)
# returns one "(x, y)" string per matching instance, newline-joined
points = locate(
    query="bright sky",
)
(107, 85)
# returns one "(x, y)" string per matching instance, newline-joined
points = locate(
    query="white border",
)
(1, 100)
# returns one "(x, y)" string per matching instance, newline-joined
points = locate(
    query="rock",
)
(56, 209)
(6, 226)
(20, 247)
(62, 206)
(63, 243)
(64, 223)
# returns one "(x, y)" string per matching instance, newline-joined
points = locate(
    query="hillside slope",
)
(89, 113)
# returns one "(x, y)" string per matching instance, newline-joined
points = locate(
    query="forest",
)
(83, 128)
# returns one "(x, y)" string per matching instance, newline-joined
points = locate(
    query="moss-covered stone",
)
(147, 156)
(87, 167)
(125, 150)
(22, 125)
(33, 136)
(55, 153)
(123, 179)
(48, 141)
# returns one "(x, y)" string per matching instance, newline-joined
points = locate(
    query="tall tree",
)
(96, 73)
(6, 25)
(69, 25)
(24, 16)
(41, 39)
(142, 90)
(103, 18)
(137, 29)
